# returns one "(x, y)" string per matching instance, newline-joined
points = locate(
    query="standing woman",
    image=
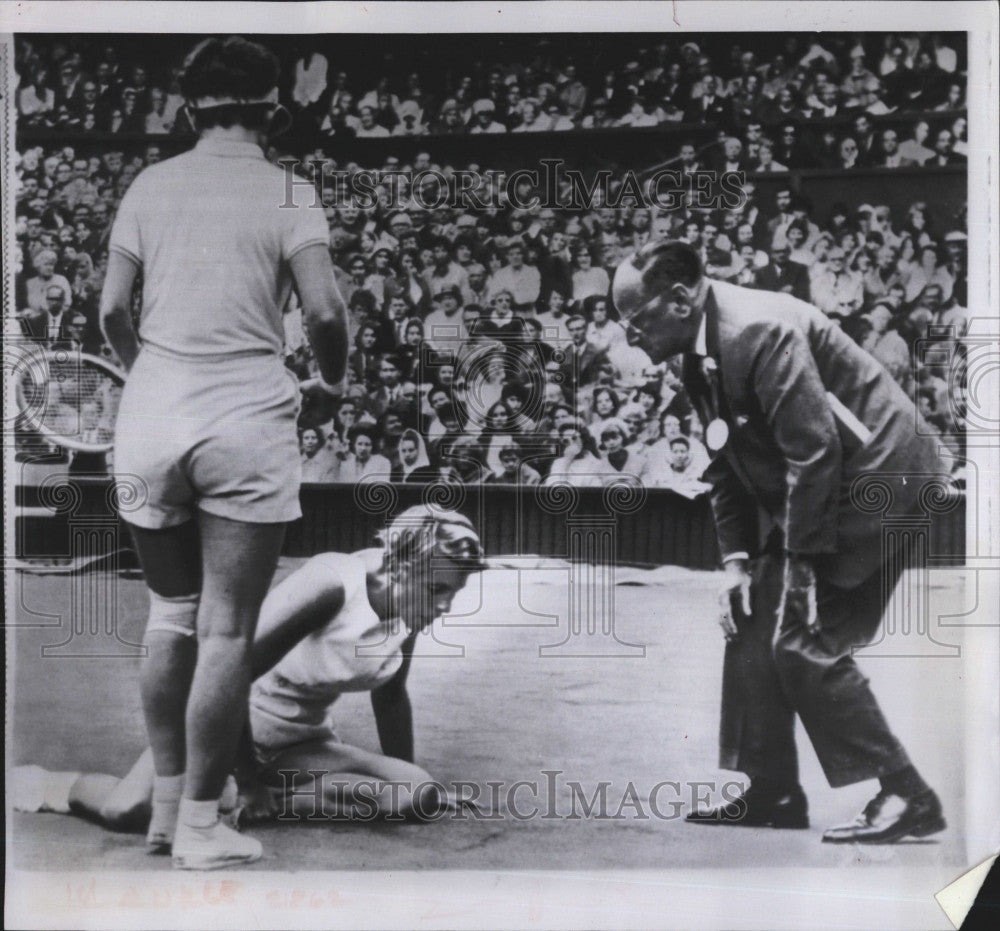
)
(206, 426)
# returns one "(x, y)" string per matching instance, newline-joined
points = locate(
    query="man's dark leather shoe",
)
(758, 809)
(888, 818)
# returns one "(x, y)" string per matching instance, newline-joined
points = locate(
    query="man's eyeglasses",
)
(626, 320)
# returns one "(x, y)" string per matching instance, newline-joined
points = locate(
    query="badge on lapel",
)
(717, 431)
(716, 434)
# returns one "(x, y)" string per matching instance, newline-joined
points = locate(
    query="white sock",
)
(55, 791)
(197, 814)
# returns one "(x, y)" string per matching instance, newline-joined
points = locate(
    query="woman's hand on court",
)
(257, 803)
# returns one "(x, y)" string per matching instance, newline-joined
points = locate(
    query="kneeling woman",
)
(341, 623)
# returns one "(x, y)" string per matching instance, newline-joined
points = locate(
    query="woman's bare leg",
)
(369, 785)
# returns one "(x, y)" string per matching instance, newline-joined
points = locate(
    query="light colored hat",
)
(483, 105)
(408, 108)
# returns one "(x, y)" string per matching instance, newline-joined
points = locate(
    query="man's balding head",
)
(659, 292)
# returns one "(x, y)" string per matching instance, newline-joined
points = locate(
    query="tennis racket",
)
(71, 398)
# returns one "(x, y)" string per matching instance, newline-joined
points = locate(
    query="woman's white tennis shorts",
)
(219, 435)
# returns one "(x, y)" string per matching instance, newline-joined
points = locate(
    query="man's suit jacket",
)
(809, 412)
(792, 279)
(583, 368)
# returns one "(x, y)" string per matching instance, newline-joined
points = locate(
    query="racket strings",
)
(73, 400)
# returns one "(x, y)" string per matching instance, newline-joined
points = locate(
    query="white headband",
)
(208, 102)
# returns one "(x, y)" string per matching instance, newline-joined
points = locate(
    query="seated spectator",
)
(584, 359)
(579, 464)
(924, 272)
(860, 87)
(443, 325)
(444, 271)
(678, 472)
(627, 460)
(35, 98)
(38, 288)
(364, 360)
(319, 463)
(748, 271)
(588, 279)
(362, 463)
(603, 333)
(944, 152)
(913, 149)
(460, 461)
(450, 121)
(483, 113)
(412, 462)
(783, 275)
(766, 164)
(522, 281)
(837, 291)
(512, 471)
(604, 407)
(533, 119)
(600, 115)
(882, 341)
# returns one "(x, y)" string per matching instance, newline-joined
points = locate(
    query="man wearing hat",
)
(410, 120)
(483, 111)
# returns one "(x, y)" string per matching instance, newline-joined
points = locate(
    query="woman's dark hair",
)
(586, 437)
(589, 303)
(611, 393)
(413, 254)
(362, 429)
(514, 391)
(230, 67)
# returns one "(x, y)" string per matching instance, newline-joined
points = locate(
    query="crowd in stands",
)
(87, 85)
(485, 347)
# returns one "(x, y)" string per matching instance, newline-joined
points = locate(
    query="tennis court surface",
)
(493, 705)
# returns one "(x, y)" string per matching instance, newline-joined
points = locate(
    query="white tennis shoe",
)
(212, 848)
(163, 821)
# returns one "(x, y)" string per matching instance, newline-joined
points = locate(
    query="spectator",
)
(944, 153)
(362, 463)
(412, 463)
(913, 149)
(860, 87)
(603, 333)
(882, 341)
(579, 464)
(677, 473)
(39, 288)
(512, 470)
(782, 274)
(626, 461)
(522, 281)
(837, 291)
(583, 360)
